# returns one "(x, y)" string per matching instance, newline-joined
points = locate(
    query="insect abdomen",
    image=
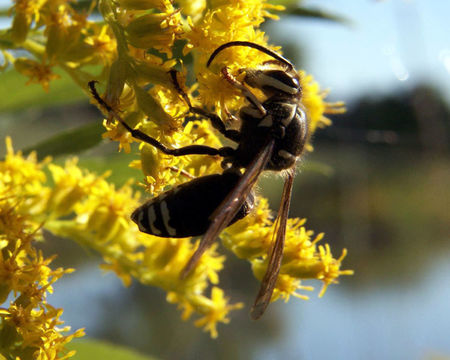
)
(186, 210)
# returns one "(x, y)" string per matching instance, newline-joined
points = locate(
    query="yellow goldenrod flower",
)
(37, 331)
(192, 8)
(100, 46)
(219, 312)
(148, 24)
(37, 72)
(28, 324)
(141, 4)
(313, 101)
(71, 186)
(102, 222)
(25, 11)
(252, 237)
(157, 31)
(133, 53)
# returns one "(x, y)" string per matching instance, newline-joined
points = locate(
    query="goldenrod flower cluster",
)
(87, 209)
(134, 49)
(29, 325)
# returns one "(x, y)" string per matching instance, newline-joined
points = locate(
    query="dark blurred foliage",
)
(417, 119)
(385, 197)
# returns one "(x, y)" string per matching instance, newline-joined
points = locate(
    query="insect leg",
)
(247, 93)
(216, 121)
(181, 172)
(137, 134)
(230, 116)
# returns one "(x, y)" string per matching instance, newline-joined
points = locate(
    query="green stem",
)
(34, 47)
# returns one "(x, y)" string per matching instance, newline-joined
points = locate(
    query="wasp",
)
(272, 137)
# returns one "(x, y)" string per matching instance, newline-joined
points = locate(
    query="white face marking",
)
(251, 111)
(152, 219)
(302, 114)
(287, 120)
(166, 217)
(285, 155)
(267, 121)
(140, 218)
(277, 84)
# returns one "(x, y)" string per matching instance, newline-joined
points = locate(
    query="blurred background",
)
(376, 184)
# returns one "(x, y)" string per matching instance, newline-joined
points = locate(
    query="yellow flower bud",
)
(151, 107)
(153, 73)
(5, 289)
(55, 40)
(150, 160)
(20, 27)
(141, 4)
(117, 76)
(37, 72)
(154, 31)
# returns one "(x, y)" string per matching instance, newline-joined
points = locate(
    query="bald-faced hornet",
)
(272, 136)
(185, 210)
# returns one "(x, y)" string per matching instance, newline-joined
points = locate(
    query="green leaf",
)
(80, 5)
(283, 2)
(95, 349)
(15, 94)
(84, 5)
(319, 168)
(4, 12)
(316, 14)
(69, 142)
(117, 163)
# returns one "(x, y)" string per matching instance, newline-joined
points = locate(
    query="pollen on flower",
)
(118, 133)
(218, 309)
(224, 22)
(103, 45)
(36, 72)
(158, 29)
(26, 276)
(252, 237)
(71, 186)
(331, 268)
(288, 286)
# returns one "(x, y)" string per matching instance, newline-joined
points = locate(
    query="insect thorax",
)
(285, 121)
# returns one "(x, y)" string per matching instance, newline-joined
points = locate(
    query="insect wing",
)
(229, 207)
(273, 268)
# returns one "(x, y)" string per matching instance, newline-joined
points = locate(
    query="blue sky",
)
(393, 44)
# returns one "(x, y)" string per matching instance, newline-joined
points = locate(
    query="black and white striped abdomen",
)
(186, 209)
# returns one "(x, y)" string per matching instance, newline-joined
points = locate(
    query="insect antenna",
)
(251, 45)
